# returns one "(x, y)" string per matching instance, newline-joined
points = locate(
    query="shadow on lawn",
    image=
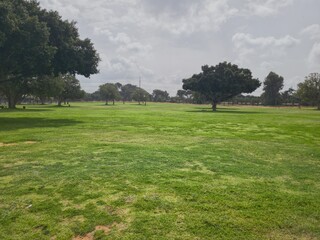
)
(9, 124)
(21, 110)
(224, 110)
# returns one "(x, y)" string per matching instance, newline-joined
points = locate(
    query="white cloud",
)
(314, 58)
(264, 8)
(181, 18)
(242, 39)
(167, 40)
(312, 31)
(124, 43)
(123, 68)
(263, 50)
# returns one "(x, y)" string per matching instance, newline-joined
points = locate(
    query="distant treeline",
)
(63, 89)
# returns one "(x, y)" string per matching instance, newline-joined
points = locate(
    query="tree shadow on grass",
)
(10, 124)
(225, 110)
(21, 110)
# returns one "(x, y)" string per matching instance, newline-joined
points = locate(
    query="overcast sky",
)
(164, 41)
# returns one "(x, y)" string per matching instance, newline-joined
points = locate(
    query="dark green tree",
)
(95, 96)
(70, 88)
(24, 47)
(141, 95)
(44, 87)
(127, 92)
(272, 86)
(109, 92)
(160, 96)
(35, 42)
(309, 90)
(289, 96)
(181, 94)
(221, 82)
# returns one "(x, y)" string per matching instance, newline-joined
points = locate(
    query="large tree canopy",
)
(70, 88)
(221, 82)
(35, 42)
(141, 95)
(160, 95)
(127, 92)
(24, 40)
(109, 92)
(309, 90)
(272, 86)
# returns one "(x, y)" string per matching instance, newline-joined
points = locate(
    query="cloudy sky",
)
(164, 41)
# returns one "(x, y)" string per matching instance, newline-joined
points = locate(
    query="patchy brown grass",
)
(288, 236)
(30, 142)
(15, 143)
(8, 144)
(106, 229)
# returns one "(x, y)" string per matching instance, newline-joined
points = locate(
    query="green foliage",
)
(160, 96)
(109, 92)
(141, 95)
(221, 82)
(95, 96)
(127, 92)
(47, 86)
(164, 171)
(25, 49)
(35, 42)
(184, 93)
(68, 88)
(290, 97)
(309, 90)
(272, 86)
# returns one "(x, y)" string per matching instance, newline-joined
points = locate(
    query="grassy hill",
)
(161, 171)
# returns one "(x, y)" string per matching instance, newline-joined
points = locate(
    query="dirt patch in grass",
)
(106, 229)
(89, 236)
(15, 144)
(30, 142)
(289, 236)
(8, 144)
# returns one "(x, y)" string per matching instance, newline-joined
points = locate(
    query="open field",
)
(161, 171)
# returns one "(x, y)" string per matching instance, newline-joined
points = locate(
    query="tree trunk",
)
(318, 106)
(214, 106)
(113, 101)
(42, 100)
(59, 102)
(11, 102)
(12, 99)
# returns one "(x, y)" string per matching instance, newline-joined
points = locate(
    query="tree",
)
(141, 95)
(289, 96)
(160, 96)
(95, 96)
(24, 46)
(69, 88)
(221, 82)
(127, 92)
(109, 92)
(272, 86)
(309, 90)
(181, 94)
(35, 42)
(46, 86)
(185, 95)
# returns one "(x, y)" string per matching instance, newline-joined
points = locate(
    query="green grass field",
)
(161, 171)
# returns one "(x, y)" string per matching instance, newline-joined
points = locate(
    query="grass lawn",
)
(161, 171)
